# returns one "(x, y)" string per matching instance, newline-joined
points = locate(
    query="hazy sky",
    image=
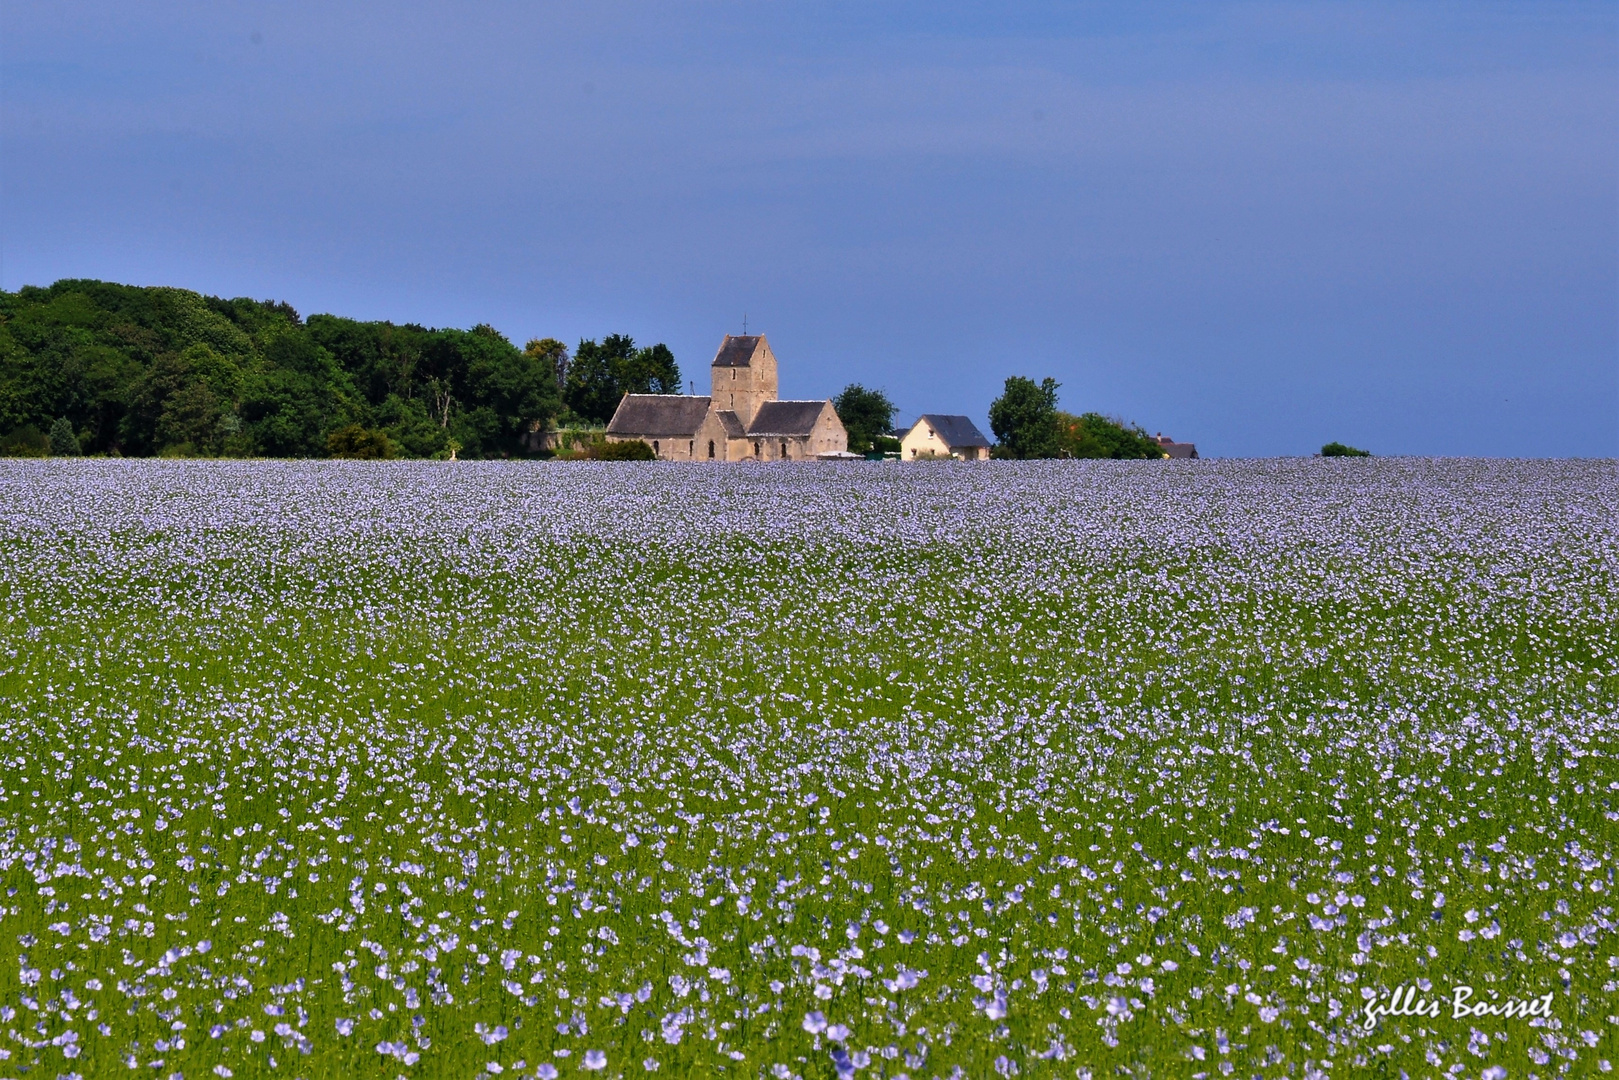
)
(1257, 226)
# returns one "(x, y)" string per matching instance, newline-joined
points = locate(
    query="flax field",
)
(1157, 769)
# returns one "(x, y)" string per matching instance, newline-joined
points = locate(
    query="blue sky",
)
(1257, 226)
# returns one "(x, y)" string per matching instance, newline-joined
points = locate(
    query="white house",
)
(936, 436)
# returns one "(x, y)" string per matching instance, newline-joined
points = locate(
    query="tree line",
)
(97, 367)
(1028, 424)
(1025, 420)
(101, 368)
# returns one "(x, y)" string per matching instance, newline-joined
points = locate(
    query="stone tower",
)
(744, 373)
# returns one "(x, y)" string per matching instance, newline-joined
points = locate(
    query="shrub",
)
(1096, 436)
(26, 441)
(630, 450)
(1338, 449)
(360, 443)
(64, 443)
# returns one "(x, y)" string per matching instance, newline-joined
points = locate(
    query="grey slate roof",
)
(786, 418)
(658, 415)
(732, 423)
(956, 431)
(1182, 450)
(736, 351)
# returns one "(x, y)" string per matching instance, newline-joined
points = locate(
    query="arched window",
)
(784, 450)
(691, 448)
(757, 448)
(654, 446)
(711, 448)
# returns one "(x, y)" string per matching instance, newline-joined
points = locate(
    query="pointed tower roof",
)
(737, 350)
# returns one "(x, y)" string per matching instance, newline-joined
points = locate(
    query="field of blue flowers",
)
(1045, 769)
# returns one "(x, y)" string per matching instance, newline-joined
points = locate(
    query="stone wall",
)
(828, 435)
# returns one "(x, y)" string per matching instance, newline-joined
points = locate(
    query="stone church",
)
(741, 420)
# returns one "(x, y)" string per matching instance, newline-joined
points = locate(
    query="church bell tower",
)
(744, 375)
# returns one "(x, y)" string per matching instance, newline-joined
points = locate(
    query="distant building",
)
(741, 420)
(1173, 449)
(936, 436)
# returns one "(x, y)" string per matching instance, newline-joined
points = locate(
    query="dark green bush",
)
(1096, 436)
(64, 442)
(25, 441)
(360, 444)
(630, 450)
(1338, 449)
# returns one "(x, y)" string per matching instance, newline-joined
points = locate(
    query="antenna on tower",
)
(744, 324)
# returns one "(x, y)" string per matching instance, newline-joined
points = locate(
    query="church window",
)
(691, 448)
(654, 446)
(711, 448)
(756, 448)
(784, 450)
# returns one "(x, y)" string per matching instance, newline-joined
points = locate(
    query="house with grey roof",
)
(1173, 449)
(935, 435)
(741, 419)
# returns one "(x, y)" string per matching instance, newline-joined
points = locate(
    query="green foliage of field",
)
(1065, 769)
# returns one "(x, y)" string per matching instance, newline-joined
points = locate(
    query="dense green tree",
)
(600, 374)
(1024, 418)
(651, 370)
(406, 422)
(508, 392)
(1096, 436)
(287, 413)
(1338, 449)
(552, 353)
(64, 442)
(592, 392)
(617, 351)
(867, 415)
(192, 422)
(381, 358)
(163, 404)
(166, 371)
(361, 444)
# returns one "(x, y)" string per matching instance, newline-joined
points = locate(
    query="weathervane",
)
(744, 324)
